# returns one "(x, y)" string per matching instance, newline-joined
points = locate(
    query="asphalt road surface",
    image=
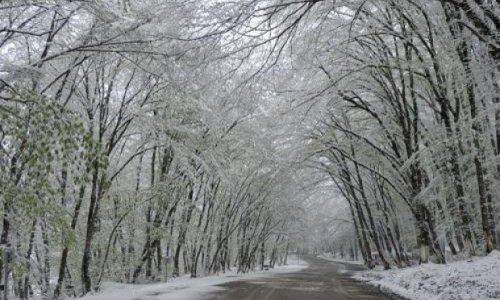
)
(322, 280)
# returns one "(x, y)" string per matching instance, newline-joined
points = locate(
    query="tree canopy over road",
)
(141, 140)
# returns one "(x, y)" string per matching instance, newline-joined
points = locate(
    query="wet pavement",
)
(322, 280)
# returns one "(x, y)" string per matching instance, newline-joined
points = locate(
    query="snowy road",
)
(322, 280)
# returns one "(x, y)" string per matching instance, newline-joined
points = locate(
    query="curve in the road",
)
(322, 280)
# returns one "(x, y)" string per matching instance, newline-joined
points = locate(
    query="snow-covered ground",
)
(340, 260)
(473, 279)
(184, 288)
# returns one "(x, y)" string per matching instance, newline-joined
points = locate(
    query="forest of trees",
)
(410, 133)
(141, 140)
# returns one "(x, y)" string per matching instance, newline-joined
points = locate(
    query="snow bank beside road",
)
(184, 288)
(474, 279)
